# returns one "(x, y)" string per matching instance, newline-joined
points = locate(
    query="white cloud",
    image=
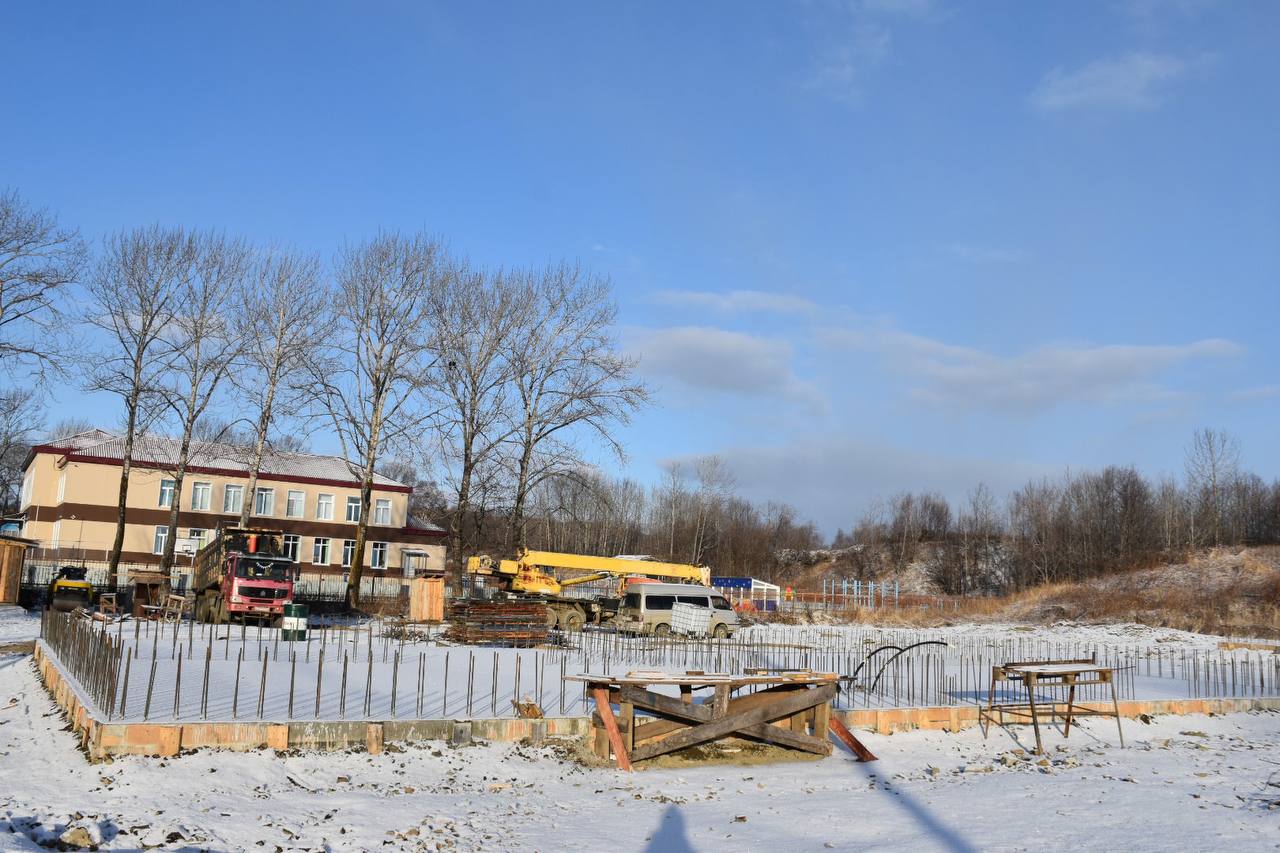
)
(707, 359)
(1137, 81)
(834, 479)
(737, 301)
(1036, 380)
(841, 67)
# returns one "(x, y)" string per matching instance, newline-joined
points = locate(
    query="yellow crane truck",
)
(530, 573)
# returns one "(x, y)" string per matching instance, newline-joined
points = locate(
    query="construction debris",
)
(507, 622)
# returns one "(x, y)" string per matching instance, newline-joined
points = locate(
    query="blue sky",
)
(861, 247)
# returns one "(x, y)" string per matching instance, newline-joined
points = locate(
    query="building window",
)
(382, 511)
(196, 535)
(232, 499)
(295, 504)
(162, 533)
(166, 494)
(201, 494)
(324, 507)
(378, 556)
(62, 487)
(348, 552)
(353, 508)
(265, 502)
(320, 551)
(291, 543)
(57, 534)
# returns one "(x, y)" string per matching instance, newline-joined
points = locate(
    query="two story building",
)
(70, 493)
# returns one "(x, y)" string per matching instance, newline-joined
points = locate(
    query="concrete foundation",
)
(102, 739)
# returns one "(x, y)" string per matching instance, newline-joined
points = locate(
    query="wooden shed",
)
(13, 552)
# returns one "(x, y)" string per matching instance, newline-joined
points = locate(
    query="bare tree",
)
(21, 419)
(133, 293)
(38, 259)
(201, 344)
(281, 322)
(566, 378)
(1212, 462)
(473, 317)
(715, 486)
(67, 427)
(379, 358)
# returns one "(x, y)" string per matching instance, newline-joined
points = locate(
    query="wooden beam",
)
(784, 706)
(611, 727)
(840, 730)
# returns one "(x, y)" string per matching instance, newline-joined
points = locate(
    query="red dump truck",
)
(243, 573)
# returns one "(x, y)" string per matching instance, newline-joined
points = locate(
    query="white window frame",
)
(28, 485)
(229, 490)
(382, 512)
(324, 507)
(270, 495)
(292, 546)
(199, 539)
(348, 553)
(302, 503)
(172, 491)
(161, 537)
(376, 549)
(198, 487)
(320, 549)
(62, 487)
(56, 537)
(353, 501)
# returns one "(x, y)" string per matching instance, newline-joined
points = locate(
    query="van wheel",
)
(721, 631)
(662, 630)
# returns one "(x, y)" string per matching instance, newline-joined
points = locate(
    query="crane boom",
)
(530, 573)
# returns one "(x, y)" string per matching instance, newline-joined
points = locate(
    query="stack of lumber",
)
(510, 622)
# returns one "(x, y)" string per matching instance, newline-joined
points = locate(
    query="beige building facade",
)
(70, 497)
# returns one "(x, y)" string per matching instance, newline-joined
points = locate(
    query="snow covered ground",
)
(17, 625)
(1184, 783)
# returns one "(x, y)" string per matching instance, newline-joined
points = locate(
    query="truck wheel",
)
(721, 631)
(219, 615)
(551, 617)
(573, 621)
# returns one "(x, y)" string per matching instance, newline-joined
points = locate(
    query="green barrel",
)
(293, 624)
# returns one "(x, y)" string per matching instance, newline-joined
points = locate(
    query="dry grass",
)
(1233, 592)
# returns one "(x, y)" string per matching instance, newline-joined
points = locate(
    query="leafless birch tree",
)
(1213, 461)
(133, 293)
(201, 343)
(369, 383)
(472, 322)
(38, 260)
(567, 378)
(281, 321)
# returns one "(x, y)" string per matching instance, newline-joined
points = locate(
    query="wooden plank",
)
(784, 706)
(611, 728)
(765, 732)
(841, 731)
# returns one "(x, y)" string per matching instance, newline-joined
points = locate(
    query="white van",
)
(646, 608)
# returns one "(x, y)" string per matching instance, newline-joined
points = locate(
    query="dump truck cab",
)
(243, 573)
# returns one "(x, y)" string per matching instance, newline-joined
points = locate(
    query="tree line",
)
(497, 381)
(1073, 527)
